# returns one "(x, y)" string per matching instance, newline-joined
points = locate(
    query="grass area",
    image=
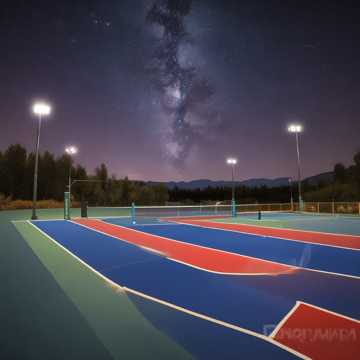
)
(54, 307)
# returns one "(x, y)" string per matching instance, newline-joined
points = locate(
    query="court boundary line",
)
(248, 256)
(299, 230)
(292, 268)
(173, 306)
(284, 319)
(229, 273)
(270, 236)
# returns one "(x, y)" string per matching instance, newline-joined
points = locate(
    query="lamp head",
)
(295, 128)
(71, 150)
(41, 108)
(231, 161)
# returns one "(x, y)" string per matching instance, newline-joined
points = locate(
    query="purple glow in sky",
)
(267, 63)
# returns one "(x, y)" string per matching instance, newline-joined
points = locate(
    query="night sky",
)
(255, 66)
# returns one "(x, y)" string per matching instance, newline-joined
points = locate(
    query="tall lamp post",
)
(71, 151)
(40, 109)
(297, 129)
(232, 162)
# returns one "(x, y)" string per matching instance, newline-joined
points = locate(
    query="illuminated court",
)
(238, 285)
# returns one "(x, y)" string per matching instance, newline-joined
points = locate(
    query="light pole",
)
(40, 109)
(232, 162)
(297, 129)
(71, 151)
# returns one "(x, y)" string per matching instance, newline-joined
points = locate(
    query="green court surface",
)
(338, 224)
(49, 313)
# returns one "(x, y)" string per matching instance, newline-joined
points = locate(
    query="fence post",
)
(233, 208)
(67, 206)
(333, 207)
(133, 213)
(318, 207)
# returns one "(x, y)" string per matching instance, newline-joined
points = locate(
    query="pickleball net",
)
(153, 213)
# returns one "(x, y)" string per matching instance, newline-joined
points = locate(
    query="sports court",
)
(282, 287)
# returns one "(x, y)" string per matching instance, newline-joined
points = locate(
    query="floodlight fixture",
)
(41, 109)
(231, 161)
(295, 128)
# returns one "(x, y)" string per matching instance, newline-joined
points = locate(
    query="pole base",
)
(233, 208)
(34, 217)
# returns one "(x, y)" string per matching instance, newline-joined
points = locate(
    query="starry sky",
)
(257, 65)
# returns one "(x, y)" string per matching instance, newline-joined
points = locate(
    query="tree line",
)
(17, 176)
(17, 172)
(344, 187)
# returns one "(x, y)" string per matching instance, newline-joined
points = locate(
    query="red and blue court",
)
(229, 291)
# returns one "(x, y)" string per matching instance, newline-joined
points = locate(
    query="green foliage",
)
(17, 176)
(17, 171)
(14, 164)
(336, 192)
(340, 173)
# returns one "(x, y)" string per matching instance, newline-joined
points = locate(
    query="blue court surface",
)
(312, 256)
(239, 309)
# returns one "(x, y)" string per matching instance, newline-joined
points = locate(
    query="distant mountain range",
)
(277, 182)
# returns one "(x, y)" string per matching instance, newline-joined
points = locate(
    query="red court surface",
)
(344, 241)
(196, 256)
(319, 334)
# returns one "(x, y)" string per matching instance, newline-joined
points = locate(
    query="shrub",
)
(8, 204)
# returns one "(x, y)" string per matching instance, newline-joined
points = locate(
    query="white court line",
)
(271, 236)
(106, 217)
(283, 320)
(226, 252)
(156, 224)
(292, 268)
(229, 273)
(56, 219)
(175, 307)
(295, 307)
(295, 230)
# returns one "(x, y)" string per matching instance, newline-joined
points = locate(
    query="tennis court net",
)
(159, 212)
(205, 211)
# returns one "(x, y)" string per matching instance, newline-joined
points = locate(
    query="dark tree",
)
(340, 173)
(14, 166)
(357, 169)
(47, 176)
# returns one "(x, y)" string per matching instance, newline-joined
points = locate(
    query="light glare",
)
(231, 161)
(71, 150)
(295, 128)
(41, 108)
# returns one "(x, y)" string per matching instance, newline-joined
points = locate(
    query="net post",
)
(67, 205)
(133, 213)
(233, 208)
(84, 206)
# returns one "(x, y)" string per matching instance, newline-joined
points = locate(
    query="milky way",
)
(183, 92)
